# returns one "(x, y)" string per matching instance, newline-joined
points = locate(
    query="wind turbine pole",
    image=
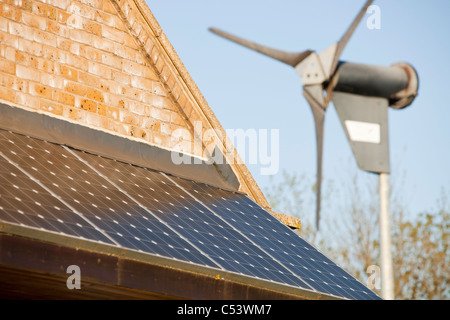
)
(387, 273)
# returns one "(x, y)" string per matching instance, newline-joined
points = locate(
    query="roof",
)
(137, 224)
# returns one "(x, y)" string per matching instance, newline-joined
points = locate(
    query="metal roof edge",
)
(268, 288)
(103, 143)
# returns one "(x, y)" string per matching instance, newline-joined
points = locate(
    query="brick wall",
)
(93, 62)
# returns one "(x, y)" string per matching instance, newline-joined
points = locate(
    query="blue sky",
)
(250, 91)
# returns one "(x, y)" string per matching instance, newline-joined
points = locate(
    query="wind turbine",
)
(361, 95)
(325, 78)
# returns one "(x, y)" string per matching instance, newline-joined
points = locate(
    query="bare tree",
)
(422, 258)
(350, 231)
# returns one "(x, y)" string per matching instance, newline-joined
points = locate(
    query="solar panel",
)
(206, 231)
(80, 194)
(265, 231)
(25, 202)
(59, 189)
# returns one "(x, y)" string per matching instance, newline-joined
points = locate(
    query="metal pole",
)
(387, 273)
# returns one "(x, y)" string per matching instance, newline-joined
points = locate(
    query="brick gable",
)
(77, 59)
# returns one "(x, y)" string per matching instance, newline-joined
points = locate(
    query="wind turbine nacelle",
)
(361, 95)
(398, 83)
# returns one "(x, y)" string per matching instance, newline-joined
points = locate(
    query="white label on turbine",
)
(364, 131)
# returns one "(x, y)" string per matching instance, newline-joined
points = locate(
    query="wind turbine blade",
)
(346, 37)
(314, 96)
(290, 58)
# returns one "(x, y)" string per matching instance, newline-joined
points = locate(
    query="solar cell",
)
(24, 202)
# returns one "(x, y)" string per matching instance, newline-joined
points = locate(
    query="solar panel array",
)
(58, 189)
